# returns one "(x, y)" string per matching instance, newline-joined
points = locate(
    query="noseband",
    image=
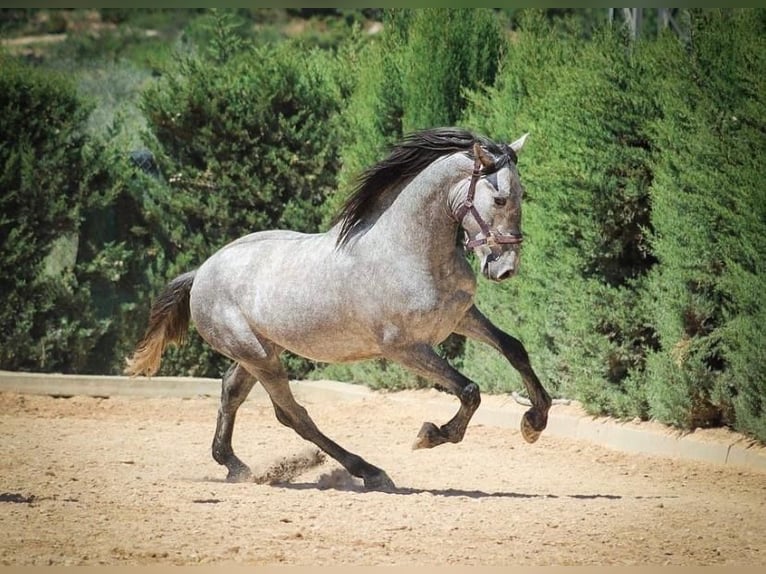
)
(489, 236)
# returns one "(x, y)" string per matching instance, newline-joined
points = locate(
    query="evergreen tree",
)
(42, 122)
(709, 215)
(250, 142)
(448, 51)
(587, 174)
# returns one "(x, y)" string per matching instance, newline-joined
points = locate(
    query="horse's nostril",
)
(506, 274)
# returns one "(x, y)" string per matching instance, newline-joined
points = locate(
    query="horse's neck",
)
(420, 218)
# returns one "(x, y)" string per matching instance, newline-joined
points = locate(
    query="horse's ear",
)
(484, 156)
(519, 143)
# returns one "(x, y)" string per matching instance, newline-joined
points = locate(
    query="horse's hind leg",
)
(234, 390)
(423, 360)
(291, 414)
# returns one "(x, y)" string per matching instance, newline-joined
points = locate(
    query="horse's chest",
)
(423, 312)
(429, 304)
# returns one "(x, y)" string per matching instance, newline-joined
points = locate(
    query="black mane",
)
(405, 160)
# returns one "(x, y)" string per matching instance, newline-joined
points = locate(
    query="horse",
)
(389, 279)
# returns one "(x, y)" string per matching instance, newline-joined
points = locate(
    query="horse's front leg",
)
(423, 360)
(476, 326)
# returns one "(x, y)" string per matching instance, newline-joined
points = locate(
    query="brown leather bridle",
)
(489, 237)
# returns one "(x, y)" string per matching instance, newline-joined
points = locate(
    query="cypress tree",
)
(43, 306)
(449, 51)
(586, 171)
(249, 141)
(709, 214)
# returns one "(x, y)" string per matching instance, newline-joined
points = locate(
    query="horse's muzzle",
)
(500, 267)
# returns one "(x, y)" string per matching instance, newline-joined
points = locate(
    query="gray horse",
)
(389, 280)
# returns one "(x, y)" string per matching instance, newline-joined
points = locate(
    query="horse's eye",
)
(501, 201)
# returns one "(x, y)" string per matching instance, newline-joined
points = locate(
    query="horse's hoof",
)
(240, 474)
(528, 431)
(379, 481)
(428, 437)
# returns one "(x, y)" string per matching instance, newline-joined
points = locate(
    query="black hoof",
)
(379, 481)
(240, 473)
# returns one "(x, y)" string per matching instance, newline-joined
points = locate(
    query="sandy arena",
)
(130, 480)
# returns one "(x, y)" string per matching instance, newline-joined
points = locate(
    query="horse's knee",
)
(230, 402)
(297, 419)
(220, 455)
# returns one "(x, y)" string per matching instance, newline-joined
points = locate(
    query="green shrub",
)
(249, 142)
(43, 308)
(641, 286)
(448, 51)
(125, 245)
(708, 213)
(586, 171)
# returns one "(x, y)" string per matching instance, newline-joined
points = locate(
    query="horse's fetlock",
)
(471, 395)
(219, 455)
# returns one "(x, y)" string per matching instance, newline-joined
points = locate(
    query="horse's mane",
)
(405, 160)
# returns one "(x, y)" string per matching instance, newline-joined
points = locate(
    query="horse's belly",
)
(328, 330)
(318, 329)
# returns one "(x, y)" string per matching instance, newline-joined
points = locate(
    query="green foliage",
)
(117, 88)
(447, 51)
(641, 286)
(43, 125)
(372, 118)
(250, 141)
(241, 139)
(78, 242)
(708, 215)
(125, 247)
(642, 278)
(586, 171)
(220, 33)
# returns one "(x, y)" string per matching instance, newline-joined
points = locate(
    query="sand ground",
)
(130, 480)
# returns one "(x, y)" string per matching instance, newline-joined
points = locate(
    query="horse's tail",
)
(168, 323)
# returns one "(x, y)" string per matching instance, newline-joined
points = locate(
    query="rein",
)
(489, 237)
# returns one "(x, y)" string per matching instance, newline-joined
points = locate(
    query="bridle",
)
(490, 237)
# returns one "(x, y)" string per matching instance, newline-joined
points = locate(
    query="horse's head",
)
(490, 213)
